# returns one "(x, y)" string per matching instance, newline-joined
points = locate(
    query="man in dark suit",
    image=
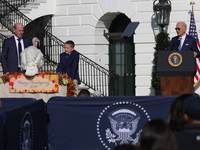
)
(69, 61)
(12, 47)
(183, 42)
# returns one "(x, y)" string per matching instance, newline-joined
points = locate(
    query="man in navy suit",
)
(69, 61)
(183, 42)
(10, 58)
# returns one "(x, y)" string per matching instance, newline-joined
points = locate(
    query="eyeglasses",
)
(177, 28)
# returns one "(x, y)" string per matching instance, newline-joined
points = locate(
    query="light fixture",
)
(162, 9)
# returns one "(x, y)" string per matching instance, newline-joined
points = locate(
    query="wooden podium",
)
(176, 70)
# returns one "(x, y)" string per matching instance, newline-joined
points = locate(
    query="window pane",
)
(122, 58)
(122, 47)
(118, 59)
(122, 74)
(117, 47)
(118, 70)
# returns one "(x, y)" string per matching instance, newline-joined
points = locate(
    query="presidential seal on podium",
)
(175, 59)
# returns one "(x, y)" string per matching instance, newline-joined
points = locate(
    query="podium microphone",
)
(174, 44)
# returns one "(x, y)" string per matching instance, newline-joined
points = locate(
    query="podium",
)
(176, 70)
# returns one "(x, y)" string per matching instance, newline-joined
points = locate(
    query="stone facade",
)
(84, 21)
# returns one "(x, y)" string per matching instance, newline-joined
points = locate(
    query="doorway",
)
(122, 56)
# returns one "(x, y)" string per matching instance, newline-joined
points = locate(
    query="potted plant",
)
(162, 42)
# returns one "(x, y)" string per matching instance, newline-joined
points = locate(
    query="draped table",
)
(4, 93)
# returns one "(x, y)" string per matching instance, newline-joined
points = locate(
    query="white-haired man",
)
(183, 42)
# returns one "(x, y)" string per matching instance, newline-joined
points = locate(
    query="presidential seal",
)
(122, 124)
(175, 59)
(26, 132)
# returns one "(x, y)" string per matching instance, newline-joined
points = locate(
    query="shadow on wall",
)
(155, 28)
(152, 92)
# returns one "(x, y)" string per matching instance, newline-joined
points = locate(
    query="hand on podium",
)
(195, 54)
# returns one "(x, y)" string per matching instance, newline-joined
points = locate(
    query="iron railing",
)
(18, 3)
(3, 37)
(91, 74)
(14, 3)
(95, 75)
(51, 46)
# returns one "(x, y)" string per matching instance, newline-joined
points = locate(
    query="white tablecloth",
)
(4, 93)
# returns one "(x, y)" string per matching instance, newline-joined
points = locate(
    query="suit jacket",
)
(69, 65)
(189, 137)
(9, 57)
(189, 44)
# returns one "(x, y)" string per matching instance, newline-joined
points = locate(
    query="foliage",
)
(64, 79)
(162, 42)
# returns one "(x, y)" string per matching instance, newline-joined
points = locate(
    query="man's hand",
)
(195, 54)
(76, 81)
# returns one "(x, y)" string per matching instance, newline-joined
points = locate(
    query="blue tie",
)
(179, 48)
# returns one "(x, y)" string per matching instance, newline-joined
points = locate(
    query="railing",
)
(51, 46)
(95, 75)
(91, 74)
(3, 37)
(18, 3)
(14, 3)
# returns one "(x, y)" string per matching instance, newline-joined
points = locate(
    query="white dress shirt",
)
(22, 44)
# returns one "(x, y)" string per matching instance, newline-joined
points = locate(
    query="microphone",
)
(173, 43)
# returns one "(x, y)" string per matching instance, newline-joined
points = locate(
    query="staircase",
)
(2, 37)
(91, 74)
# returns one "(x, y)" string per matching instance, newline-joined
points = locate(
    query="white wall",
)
(46, 7)
(84, 22)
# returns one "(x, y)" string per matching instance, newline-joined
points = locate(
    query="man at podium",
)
(183, 42)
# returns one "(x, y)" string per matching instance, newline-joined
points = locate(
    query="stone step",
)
(26, 8)
(38, 1)
(31, 5)
(42, 1)
(6, 32)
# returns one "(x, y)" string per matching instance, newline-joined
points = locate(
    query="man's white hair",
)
(184, 24)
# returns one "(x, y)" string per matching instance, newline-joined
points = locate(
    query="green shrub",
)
(162, 42)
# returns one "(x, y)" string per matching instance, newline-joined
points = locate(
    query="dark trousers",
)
(19, 70)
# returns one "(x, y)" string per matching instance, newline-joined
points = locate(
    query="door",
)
(121, 62)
